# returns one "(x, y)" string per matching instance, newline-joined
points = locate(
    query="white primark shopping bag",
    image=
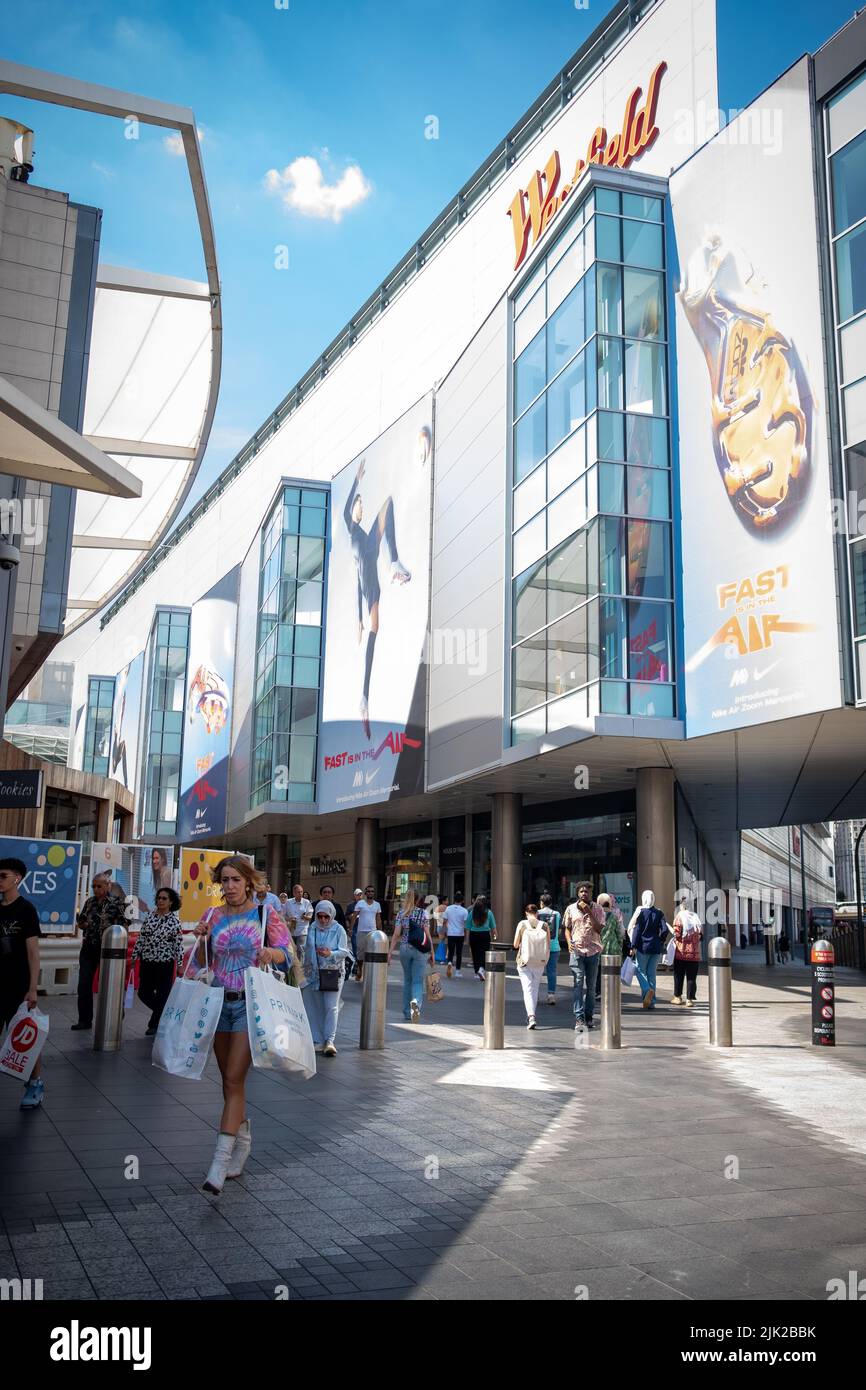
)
(186, 1030)
(24, 1040)
(280, 1037)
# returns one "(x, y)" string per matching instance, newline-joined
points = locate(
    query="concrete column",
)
(276, 863)
(656, 836)
(105, 820)
(506, 878)
(366, 867)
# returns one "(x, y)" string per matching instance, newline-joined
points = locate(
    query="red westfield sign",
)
(534, 208)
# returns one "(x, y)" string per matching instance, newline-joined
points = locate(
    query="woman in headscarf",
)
(647, 932)
(325, 954)
(687, 930)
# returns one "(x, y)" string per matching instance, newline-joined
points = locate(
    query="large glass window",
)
(97, 728)
(845, 130)
(167, 662)
(591, 500)
(289, 656)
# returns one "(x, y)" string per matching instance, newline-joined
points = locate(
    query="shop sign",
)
(534, 208)
(20, 790)
(322, 867)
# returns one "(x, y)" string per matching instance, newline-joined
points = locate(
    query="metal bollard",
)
(719, 971)
(611, 1003)
(112, 985)
(374, 995)
(823, 958)
(494, 1000)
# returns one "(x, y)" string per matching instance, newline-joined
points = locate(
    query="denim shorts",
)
(233, 1017)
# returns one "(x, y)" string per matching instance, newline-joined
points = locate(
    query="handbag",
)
(329, 975)
(296, 967)
(24, 1040)
(277, 1024)
(433, 986)
(628, 971)
(189, 1020)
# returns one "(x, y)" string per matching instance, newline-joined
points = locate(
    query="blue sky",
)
(346, 82)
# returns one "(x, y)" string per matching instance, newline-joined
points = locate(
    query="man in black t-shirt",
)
(19, 961)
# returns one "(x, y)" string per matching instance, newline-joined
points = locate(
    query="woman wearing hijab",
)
(687, 930)
(647, 932)
(325, 952)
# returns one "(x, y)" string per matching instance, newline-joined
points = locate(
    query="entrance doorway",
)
(449, 882)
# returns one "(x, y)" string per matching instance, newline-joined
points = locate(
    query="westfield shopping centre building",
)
(550, 566)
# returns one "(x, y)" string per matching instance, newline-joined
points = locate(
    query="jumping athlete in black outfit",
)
(365, 548)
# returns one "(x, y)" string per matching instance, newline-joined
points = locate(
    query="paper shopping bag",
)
(186, 1030)
(433, 986)
(279, 1031)
(24, 1040)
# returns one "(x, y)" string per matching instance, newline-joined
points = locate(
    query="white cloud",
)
(174, 142)
(303, 189)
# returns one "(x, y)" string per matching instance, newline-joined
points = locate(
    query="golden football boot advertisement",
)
(761, 403)
(753, 483)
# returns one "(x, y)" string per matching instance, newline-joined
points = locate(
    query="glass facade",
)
(592, 612)
(845, 141)
(560, 850)
(167, 662)
(289, 647)
(97, 728)
(408, 863)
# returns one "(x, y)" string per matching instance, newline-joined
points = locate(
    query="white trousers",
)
(530, 980)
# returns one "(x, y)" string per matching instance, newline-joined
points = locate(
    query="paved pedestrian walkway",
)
(435, 1170)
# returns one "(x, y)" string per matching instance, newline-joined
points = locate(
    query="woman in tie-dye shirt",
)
(232, 938)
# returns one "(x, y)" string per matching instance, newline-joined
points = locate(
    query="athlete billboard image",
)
(207, 724)
(372, 744)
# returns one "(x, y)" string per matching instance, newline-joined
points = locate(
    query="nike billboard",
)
(759, 591)
(373, 707)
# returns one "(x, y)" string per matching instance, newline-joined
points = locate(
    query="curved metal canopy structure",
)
(154, 371)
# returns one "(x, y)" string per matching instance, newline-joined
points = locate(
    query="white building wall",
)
(414, 344)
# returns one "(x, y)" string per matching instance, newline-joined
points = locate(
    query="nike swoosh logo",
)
(759, 675)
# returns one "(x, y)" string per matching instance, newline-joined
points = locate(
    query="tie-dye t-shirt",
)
(234, 940)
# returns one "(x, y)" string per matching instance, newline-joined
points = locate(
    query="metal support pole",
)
(861, 944)
(375, 993)
(112, 984)
(611, 1009)
(494, 1000)
(719, 970)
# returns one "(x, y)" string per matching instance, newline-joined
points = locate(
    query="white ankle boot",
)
(221, 1158)
(241, 1151)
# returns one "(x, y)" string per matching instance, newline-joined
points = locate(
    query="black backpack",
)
(417, 934)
